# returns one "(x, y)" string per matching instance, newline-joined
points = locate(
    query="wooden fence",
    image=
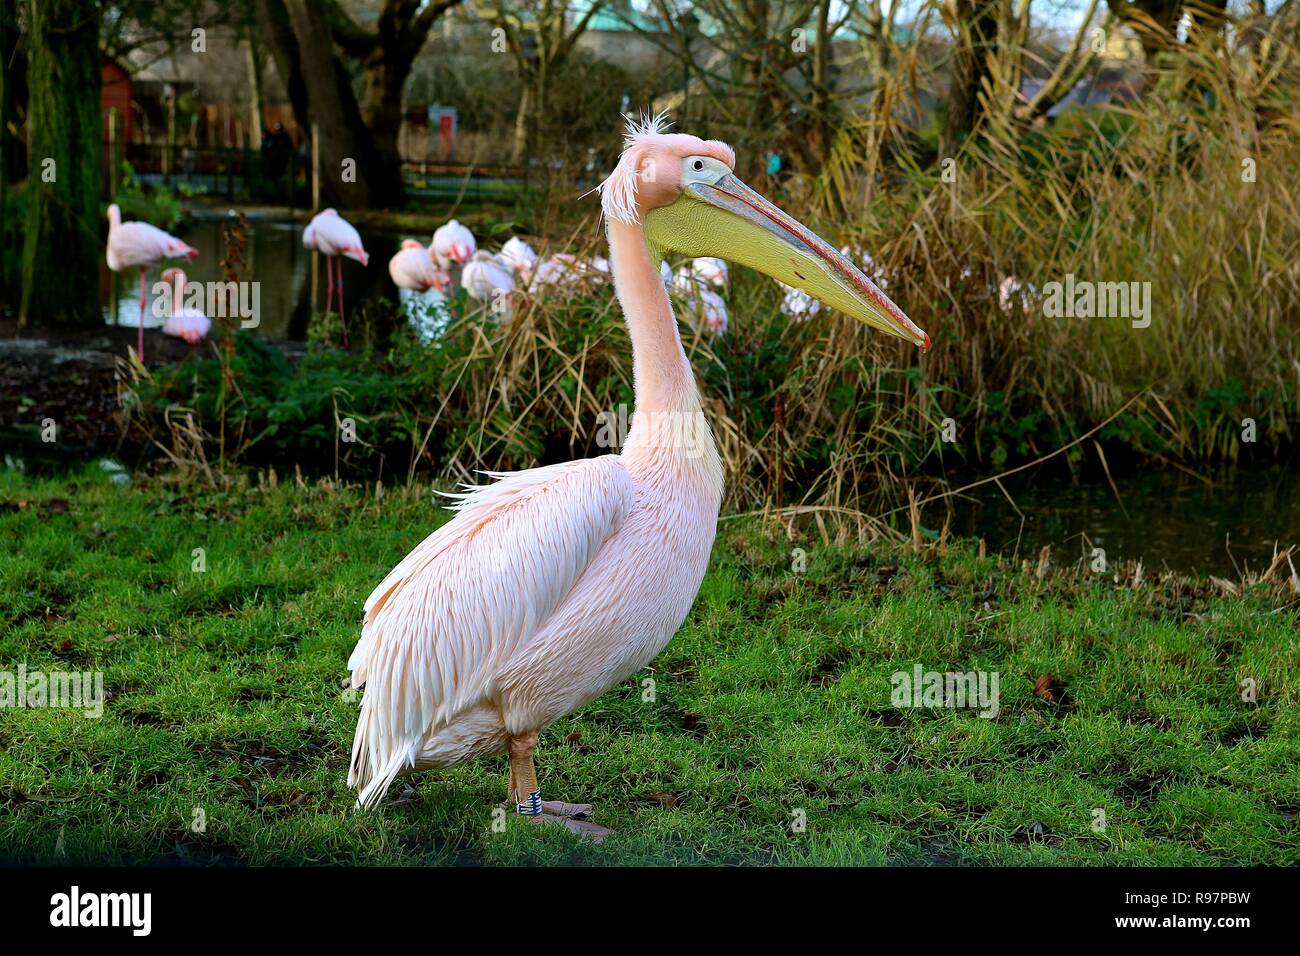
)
(245, 173)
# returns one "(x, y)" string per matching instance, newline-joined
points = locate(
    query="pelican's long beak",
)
(729, 220)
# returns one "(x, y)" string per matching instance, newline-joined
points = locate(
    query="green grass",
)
(773, 699)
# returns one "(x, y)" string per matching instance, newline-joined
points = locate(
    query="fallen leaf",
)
(1050, 688)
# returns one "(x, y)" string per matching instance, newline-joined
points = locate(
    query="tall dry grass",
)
(1154, 192)
(830, 415)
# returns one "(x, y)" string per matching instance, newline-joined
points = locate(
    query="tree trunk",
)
(1154, 21)
(277, 32)
(255, 94)
(345, 143)
(386, 70)
(14, 52)
(974, 48)
(8, 41)
(519, 155)
(822, 95)
(302, 35)
(63, 183)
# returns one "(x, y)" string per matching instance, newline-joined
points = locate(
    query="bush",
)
(159, 206)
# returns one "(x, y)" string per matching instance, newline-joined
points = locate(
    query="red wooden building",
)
(115, 93)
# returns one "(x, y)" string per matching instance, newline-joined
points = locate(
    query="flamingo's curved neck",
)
(178, 294)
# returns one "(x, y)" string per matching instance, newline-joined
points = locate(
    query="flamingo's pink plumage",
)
(331, 235)
(138, 245)
(183, 322)
(413, 268)
(452, 245)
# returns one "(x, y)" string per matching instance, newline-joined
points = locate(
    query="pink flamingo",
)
(412, 268)
(190, 325)
(331, 235)
(552, 585)
(452, 245)
(138, 245)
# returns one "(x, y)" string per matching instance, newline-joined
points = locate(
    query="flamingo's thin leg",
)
(329, 284)
(342, 320)
(139, 335)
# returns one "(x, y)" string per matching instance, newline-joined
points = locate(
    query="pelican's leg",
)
(524, 791)
(527, 796)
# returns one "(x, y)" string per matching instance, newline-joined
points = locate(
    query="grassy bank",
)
(226, 703)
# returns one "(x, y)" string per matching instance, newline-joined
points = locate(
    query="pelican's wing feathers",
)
(439, 627)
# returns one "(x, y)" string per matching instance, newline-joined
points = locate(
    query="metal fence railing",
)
(286, 178)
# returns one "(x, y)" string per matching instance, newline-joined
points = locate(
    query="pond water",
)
(1165, 518)
(275, 258)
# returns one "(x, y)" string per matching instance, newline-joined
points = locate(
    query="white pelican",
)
(867, 263)
(552, 585)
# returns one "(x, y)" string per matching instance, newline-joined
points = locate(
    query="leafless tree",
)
(539, 36)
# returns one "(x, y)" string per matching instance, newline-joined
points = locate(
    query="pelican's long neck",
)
(661, 373)
(670, 438)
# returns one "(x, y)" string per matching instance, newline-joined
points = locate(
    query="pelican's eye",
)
(702, 169)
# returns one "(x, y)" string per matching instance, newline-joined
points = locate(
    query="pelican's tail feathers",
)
(375, 762)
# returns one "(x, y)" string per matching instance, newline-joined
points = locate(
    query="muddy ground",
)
(71, 376)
